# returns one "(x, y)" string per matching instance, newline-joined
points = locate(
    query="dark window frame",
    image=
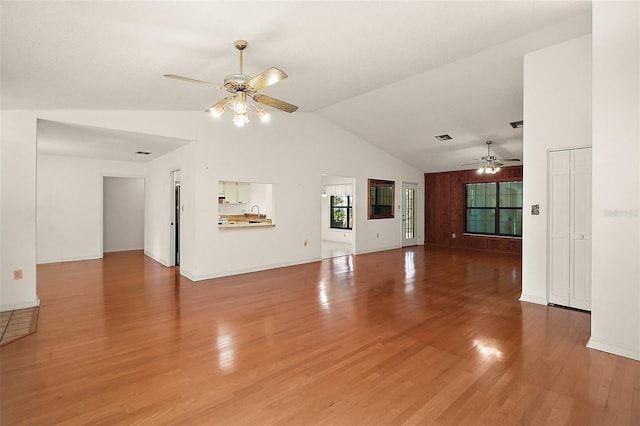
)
(495, 209)
(348, 211)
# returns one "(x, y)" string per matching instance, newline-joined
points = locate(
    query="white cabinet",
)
(234, 192)
(243, 193)
(569, 274)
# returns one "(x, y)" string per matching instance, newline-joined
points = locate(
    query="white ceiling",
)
(72, 140)
(395, 73)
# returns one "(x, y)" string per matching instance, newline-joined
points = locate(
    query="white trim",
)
(160, 260)
(70, 259)
(529, 298)
(23, 305)
(604, 347)
(193, 277)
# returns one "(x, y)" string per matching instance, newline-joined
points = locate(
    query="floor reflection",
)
(225, 346)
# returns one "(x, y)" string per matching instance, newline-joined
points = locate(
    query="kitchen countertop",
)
(235, 225)
(243, 221)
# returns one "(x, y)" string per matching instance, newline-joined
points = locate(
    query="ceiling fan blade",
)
(222, 102)
(266, 78)
(508, 159)
(474, 163)
(192, 80)
(276, 103)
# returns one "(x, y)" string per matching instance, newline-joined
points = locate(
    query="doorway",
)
(409, 198)
(175, 218)
(337, 216)
(123, 206)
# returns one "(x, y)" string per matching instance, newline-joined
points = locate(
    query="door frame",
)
(174, 218)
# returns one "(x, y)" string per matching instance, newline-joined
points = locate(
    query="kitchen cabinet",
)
(234, 192)
(243, 193)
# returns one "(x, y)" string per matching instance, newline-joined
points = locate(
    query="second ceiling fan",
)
(490, 164)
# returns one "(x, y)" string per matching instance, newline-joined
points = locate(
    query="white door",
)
(409, 203)
(570, 228)
(559, 228)
(580, 295)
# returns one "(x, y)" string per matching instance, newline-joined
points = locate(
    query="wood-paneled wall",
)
(444, 205)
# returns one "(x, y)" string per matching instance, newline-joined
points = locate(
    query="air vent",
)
(143, 152)
(444, 137)
(517, 124)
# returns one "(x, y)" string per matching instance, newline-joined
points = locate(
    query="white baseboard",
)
(612, 349)
(202, 277)
(533, 299)
(23, 305)
(68, 259)
(162, 261)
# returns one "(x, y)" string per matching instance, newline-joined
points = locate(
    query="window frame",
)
(496, 209)
(348, 208)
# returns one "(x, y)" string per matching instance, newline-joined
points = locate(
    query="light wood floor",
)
(407, 336)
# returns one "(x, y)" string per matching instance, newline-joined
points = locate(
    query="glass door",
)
(409, 196)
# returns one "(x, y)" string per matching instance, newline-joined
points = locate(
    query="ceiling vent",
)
(444, 137)
(143, 152)
(517, 124)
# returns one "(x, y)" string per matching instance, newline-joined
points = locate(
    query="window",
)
(341, 212)
(381, 196)
(494, 208)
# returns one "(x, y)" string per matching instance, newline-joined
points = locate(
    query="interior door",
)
(559, 227)
(570, 228)
(580, 295)
(409, 220)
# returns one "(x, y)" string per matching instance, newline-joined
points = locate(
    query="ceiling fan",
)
(243, 86)
(490, 164)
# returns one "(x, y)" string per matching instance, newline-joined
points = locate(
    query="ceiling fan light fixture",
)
(240, 119)
(216, 111)
(239, 107)
(263, 115)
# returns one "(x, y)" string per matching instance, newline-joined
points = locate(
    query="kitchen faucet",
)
(256, 206)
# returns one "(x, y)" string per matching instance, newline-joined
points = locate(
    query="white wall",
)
(18, 195)
(557, 114)
(69, 205)
(159, 210)
(123, 214)
(291, 152)
(615, 317)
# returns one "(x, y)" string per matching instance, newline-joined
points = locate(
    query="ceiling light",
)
(241, 107)
(263, 115)
(489, 169)
(444, 137)
(216, 111)
(240, 119)
(517, 124)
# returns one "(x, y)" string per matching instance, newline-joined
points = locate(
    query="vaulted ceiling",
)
(395, 73)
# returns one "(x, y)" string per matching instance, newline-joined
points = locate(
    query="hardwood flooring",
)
(408, 336)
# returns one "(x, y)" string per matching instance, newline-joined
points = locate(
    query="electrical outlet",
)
(17, 274)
